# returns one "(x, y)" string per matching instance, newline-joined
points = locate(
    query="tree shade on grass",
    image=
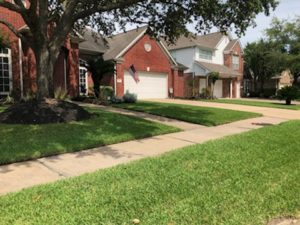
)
(194, 114)
(257, 103)
(23, 142)
(243, 179)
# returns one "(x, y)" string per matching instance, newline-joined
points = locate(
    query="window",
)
(83, 81)
(235, 62)
(5, 84)
(205, 54)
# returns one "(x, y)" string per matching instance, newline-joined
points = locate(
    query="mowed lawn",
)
(194, 114)
(240, 180)
(257, 103)
(23, 142)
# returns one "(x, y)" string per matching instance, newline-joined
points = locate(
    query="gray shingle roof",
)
(230, 45)
(117, 43)
(224, 71)
(207, 41)
(92, 43)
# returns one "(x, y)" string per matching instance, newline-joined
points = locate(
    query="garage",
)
(151, 85)
(218, 90)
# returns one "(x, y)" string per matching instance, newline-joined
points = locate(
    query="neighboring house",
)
(215, 52)
(158, 74)
(284, 79)
(17, 62)
(270, 86)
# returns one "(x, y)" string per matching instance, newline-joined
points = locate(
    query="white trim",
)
(131, 44)
(21, 68)
(115, 79)
(8, 55)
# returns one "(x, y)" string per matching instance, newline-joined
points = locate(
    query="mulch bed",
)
(43, 112)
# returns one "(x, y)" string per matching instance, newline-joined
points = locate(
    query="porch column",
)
(119, 82)
(231, 88)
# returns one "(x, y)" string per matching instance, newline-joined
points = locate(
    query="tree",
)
(213, 77)
(263, 61)
(285, 37)
(98, 67)
(288, 94)
(51, 21)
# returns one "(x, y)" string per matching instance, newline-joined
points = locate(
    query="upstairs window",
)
(235, 62)
(205, 54)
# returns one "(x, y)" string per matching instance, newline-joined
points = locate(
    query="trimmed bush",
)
(129, 97)
(288, 94)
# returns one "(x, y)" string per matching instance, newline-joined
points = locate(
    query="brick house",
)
(160, 76)
(215, 52)
(17, 62)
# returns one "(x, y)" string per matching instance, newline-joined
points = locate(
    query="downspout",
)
(21, 68)
(115, 79)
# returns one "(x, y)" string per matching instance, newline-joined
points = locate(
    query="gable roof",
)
(120, 42)
(207, 41)
(230, 45)
(224, 71)
(92, 43)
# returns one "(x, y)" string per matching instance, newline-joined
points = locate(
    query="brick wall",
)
(28, 60)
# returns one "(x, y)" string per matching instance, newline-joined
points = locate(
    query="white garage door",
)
(151, 85)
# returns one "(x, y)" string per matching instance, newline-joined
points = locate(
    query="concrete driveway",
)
(268, 112)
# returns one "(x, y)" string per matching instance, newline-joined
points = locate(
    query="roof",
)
(207, 41)
(92, 43)
(224, 71)
(118, 43)
(230, 45)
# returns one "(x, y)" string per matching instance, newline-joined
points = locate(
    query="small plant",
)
(106, 94)
(60, 94)
(29, 96)
(9, 100)
(129, 97)
(288, 94)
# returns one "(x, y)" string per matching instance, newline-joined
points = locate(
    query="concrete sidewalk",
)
(268, 112)
(17, 176)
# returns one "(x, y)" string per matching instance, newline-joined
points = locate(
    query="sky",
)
(287, 9)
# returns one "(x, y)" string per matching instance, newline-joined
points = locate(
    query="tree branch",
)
(12, 7)
(13, 29)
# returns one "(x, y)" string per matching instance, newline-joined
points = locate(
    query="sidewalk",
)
(17, 176)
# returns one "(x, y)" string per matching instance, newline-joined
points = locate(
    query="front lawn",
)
(256, 103)
(193, 114)
(239, 180)
(23, 142)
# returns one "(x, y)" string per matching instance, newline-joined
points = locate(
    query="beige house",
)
(282, 80)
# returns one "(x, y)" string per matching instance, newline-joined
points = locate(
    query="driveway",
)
(267, 112)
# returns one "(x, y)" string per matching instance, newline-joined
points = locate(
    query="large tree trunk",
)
(45, 61)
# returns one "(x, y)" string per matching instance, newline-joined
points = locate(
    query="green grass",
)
(256, 103)
(23, 142)
(194, 114)
(239, 180)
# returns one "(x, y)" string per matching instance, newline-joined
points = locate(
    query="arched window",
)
(5, 71)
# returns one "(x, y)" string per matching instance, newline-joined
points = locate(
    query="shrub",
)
(129, 97)
(60, 94)
(29, 96)
(288, 94)
(270, 92)
(117, 100)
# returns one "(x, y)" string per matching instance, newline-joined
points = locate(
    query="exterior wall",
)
(237, 51)
(28, 60)
(154, 61)
(185, 56)
(218, 57)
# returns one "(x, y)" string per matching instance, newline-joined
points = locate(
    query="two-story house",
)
(215, 52)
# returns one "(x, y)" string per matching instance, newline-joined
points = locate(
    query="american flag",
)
(134, 73)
